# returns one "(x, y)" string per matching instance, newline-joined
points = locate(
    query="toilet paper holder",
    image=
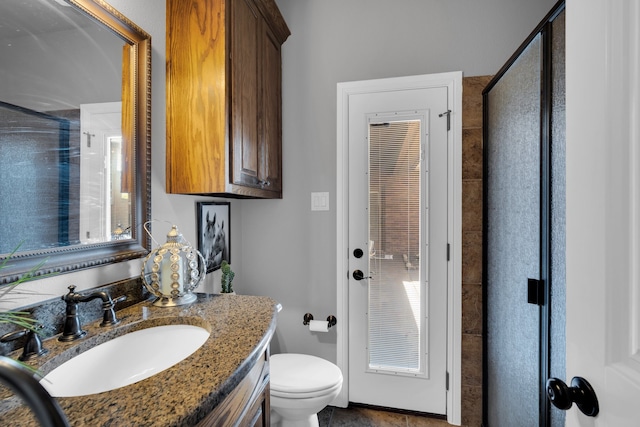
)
(308, 317)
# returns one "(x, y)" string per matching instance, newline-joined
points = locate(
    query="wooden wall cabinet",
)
(224, 97)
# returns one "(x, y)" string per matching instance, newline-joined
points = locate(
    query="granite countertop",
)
(241, 328)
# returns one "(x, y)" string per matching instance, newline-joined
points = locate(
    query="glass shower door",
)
(513, 242)
(524, 280)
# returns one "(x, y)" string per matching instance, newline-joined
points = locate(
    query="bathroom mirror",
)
(75, 119)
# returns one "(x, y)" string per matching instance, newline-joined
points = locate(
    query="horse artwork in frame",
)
(214, 233)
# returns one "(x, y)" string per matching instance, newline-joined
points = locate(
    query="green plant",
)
(18, 318)
(227, 277)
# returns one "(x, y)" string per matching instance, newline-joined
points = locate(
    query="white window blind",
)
(395, 316)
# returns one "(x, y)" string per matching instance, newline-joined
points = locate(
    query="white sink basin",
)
(124, 360)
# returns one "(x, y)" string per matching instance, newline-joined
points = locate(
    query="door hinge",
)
(447, 380)
(448, 114)
(89, 135)
(535, 291)
(448, 252)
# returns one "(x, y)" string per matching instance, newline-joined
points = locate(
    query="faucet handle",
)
(121, 298)
(32, 345)
(109, 314)
(72, 291)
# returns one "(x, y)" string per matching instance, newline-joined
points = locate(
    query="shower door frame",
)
(544, 287)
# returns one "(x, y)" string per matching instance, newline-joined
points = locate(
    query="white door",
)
(603, 207)
(99, 123)
(398, 232)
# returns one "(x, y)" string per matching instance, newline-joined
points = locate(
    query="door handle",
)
(359, 275)
(580, 392)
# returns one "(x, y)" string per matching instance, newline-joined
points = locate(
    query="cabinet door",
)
(245, 42)
(258, 414)
(270, 147)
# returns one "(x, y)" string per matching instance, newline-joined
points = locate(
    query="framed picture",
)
(214, 233)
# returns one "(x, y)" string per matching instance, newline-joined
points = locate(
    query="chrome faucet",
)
(72, 329)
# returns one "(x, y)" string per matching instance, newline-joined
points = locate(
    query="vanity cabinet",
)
(224, 101)
(248, 404)
(223, 383)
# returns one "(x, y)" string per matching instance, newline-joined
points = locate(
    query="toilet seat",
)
(299, 376)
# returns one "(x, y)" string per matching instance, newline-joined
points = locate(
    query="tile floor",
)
(355, 416)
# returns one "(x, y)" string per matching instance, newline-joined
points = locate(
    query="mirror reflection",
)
(66, 169)
(75, 142)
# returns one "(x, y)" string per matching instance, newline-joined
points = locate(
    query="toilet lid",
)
(302, 373)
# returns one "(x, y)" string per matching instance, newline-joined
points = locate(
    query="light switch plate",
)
(320, 201)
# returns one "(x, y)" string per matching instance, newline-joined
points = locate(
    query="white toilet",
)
(301, 386)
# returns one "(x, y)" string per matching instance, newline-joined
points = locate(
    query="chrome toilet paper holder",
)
(308, 317)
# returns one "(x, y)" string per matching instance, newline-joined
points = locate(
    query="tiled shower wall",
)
(472, 250)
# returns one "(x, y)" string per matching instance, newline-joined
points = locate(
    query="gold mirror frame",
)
(73, 258)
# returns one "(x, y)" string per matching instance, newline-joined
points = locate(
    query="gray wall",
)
(280, 247)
